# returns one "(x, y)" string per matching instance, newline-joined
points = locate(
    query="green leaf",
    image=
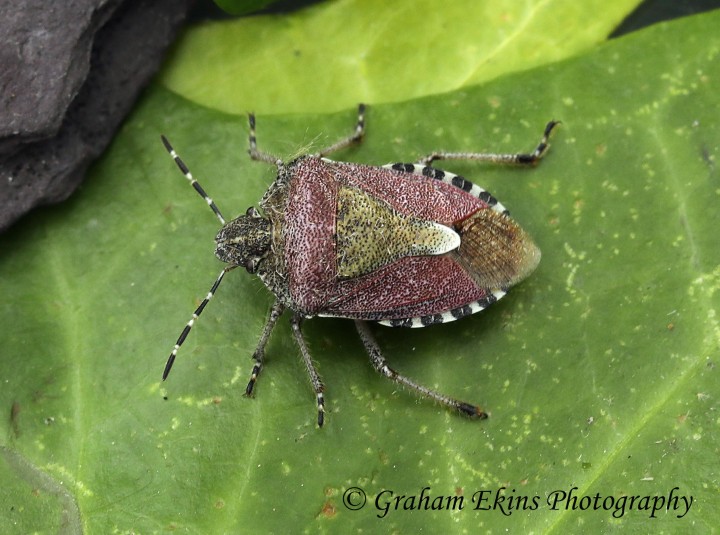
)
(600, 371)
(330, 56)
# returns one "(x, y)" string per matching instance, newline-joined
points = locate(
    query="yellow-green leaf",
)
(334, 54)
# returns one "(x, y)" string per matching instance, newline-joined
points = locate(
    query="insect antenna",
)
(194, 183)
(196, 314)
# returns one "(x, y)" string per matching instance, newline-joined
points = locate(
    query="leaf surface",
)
(600, 371)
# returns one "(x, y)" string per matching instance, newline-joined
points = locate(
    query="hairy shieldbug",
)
(402, 245)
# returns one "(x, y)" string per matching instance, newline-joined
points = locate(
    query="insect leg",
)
(355, 137)
(256, 154)
(195, 316)
(259, 354)
(380, 364)
(312, 372)
(522, 158)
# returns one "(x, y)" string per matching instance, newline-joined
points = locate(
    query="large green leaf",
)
(599, 371)
(332, 55)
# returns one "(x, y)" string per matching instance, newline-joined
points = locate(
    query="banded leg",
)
(355, 137)
(380, 364)
(259, 354)
(522, 158)
(312, 372)
(195, 316)
(256, 154)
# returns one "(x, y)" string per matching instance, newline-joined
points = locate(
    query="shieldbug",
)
(402, 245)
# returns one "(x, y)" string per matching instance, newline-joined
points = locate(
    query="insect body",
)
(403, 245)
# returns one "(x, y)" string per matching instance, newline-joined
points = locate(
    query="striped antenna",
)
(194, 183)
(196, 314)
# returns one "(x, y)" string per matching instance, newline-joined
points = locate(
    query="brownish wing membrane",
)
(495, 250)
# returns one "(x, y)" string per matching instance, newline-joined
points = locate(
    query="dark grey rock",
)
(69, 73)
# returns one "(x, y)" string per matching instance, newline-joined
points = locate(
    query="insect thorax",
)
(256, 241)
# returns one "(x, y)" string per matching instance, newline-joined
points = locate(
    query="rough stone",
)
(70, 72)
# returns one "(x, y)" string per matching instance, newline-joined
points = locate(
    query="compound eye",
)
(252, 265)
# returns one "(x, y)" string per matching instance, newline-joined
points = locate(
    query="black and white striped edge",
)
(434, 319)
(449, 178)
(476, 191)
(450, 315)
